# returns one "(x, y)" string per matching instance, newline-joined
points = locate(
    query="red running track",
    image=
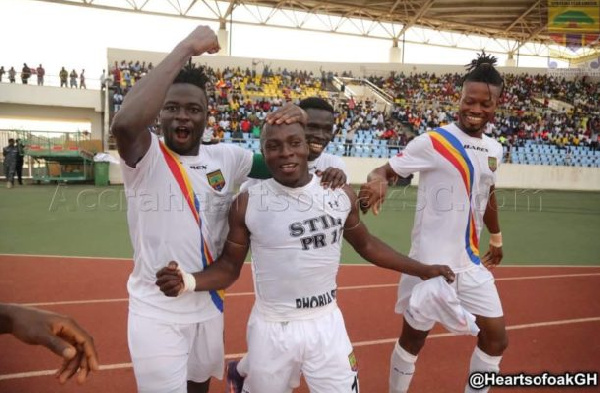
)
(552, 313)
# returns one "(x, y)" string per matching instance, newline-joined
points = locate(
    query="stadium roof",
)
(519, 21)
(514, 19)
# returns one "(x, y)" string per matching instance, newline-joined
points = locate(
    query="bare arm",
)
(59, 333)
(490, 217)
(493, 256)
(372, 193)
(226, 269)
(143, 103)
(380, 254)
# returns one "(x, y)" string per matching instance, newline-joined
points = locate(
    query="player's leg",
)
(329, 364)
(272, 363)
(404, 357)
(20, 171)
(478, 294)
(159, 352)
(12, 168)
(198, 387)
(406, 349)
(207, 354)
(491, 343)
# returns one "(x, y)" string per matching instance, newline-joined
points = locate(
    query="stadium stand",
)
(532, 131)
(542, 119)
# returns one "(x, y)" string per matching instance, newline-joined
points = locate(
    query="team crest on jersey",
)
(493, 163)
(216, 180)
(353, 362)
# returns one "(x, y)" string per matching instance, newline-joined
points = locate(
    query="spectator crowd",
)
(74, 79)
(239, 100)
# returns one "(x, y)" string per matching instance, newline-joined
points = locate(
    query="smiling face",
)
(319, 131)
(477, 105)
(286, 151)
(183, 118)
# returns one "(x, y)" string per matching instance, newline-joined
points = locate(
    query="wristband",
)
(496, 239)
(189, 282)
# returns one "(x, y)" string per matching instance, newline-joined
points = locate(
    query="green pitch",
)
(539, 227)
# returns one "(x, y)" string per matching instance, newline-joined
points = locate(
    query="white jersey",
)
(456, 173)
(295, 239)
(326, 160)
(163, 228)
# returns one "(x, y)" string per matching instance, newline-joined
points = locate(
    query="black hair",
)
(315, 103)
(482, 69)
(192, 75)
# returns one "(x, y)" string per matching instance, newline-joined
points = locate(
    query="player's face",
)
(477, 105)
(319, 131)
(286, 151)
(183, 118)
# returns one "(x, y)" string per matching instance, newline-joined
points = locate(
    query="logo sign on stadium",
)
(574, 23)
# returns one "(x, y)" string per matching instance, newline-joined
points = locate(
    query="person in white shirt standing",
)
(178, 196)
(294, 227)
(457, 166)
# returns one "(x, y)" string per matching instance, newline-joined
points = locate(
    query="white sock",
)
(402, 368)
(482, 362)
(242, 367)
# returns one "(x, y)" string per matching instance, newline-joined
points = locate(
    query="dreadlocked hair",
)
(192, 75)
(482, 69)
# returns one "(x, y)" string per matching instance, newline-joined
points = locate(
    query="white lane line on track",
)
(343, 288)
(117, 366)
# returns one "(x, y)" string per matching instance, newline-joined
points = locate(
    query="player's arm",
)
(143, 103)
(224, 271)
(372, 193)
(59, 333)
(333, 178)
(494, 255)
(379, 253)
(259, 169)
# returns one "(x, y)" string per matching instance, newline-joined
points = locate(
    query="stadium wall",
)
(52, 104)
(531, 177)
(358, 69)
(509, 175)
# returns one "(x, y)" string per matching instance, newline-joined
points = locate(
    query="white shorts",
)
(278, 352)
(167, 355)
(475, 289)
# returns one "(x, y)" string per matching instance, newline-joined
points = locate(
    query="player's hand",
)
(288, 114)
(170, 280)
(62, 335)
(492, 258)
(431, 271)
(202, 40)
(371, 196)
(70, 367)
(333, 178)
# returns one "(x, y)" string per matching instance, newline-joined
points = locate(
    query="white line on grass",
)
(117, 366)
